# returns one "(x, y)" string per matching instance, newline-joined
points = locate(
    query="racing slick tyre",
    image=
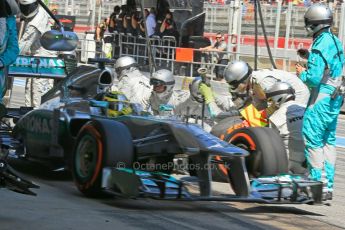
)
(100, 143)
(238, 176)
(267, 151)
(226, 126)
(221, 129)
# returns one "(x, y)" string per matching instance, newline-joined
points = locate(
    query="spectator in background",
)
(168, 26)
(141, 27)
(99, 35)
(127, 21)
(100, 30)
(113, 19)
(120, 20)
(103, 34)
(218, 49)
(151, 22)
(135, 23)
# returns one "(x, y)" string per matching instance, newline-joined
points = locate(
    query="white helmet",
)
(280, 92)
(29, 8)
(124, 63)
(163, 77)
(317, 17)
(237, 72)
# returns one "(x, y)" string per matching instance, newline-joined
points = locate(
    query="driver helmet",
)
(317, 17)
(124, 63)
(162, 78)
(118, 104)
(280, 92)
(194, 90)
(28, 8)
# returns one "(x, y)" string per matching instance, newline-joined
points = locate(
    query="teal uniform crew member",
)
(323, 76)
(8, 40)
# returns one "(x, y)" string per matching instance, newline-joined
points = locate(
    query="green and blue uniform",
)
(9, 52)
(323, 76)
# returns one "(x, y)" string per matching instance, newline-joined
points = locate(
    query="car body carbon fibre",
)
(52, 135)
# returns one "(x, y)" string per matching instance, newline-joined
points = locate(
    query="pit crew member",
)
(132, 82)
(164, 98)
(8, 40)
(37, 23)
(242, 79)
(324, 76)
(287, 120)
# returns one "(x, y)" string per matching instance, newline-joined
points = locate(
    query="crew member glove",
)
(206, 92)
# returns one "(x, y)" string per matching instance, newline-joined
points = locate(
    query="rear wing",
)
(40, 67)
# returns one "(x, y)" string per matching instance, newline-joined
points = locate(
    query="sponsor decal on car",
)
(39, 125)
(38, 65)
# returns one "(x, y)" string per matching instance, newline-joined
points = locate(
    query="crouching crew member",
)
(287, 120)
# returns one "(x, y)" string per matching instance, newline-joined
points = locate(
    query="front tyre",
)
(100, 143)
(267, 151)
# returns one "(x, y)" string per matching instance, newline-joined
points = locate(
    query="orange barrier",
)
(184, 54)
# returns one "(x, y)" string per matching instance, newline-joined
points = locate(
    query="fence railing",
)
(182, 61)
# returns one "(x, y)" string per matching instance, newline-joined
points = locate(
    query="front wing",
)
(284, 189)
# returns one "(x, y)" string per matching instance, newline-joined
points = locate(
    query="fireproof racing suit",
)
(287, 120)
(8, 49)
(167, 105)
(323, 76)
(30, 44)
(265, 78)
(135, 86)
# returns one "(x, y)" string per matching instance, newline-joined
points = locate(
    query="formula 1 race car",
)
(114, 154)
(132, 155)
(71, 129)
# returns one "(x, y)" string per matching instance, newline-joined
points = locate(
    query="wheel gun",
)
(202, 72)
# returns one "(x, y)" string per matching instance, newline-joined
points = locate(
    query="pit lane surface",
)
(60, 206)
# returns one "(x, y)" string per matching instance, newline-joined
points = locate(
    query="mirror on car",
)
(59, 40)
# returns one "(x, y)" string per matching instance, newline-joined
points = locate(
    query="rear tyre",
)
(100, 143)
